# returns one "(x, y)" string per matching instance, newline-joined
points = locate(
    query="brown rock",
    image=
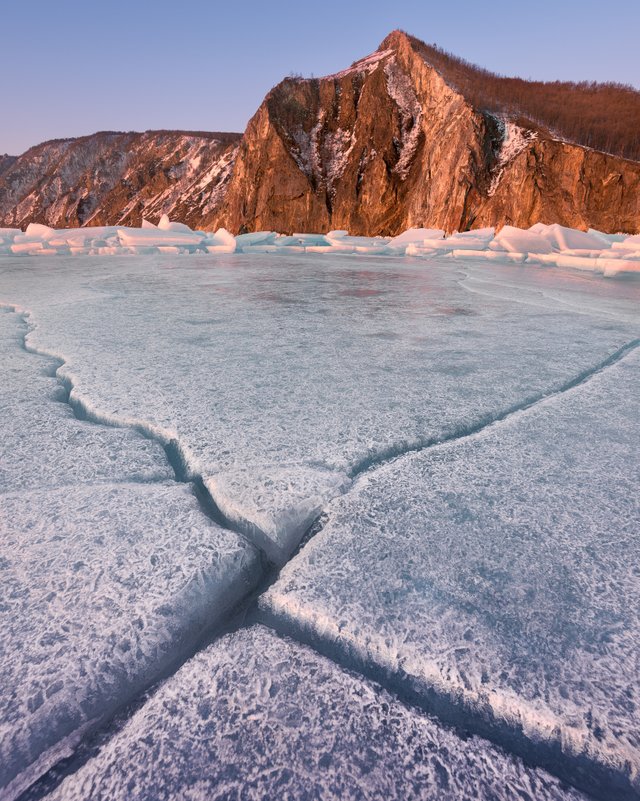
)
(389, 144)
(110, 178)
(383, 146)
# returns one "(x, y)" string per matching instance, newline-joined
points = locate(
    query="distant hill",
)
(408, 136)
(6, 161)
(111, 177)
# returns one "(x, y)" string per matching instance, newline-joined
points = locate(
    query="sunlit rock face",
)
(395, 141)
(116, 178)
(389, 144)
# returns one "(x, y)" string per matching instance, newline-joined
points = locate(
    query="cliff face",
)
(110, 178)
(382, 146)
(552, 181)
(388, 144)
(377, 148)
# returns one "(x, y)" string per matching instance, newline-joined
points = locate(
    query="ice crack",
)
(446, 708)
(488, 421)
(175, 455)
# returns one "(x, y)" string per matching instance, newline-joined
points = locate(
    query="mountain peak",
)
(395, 40)
(408, 136)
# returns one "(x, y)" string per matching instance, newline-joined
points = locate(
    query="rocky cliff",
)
(395, 141)
(388, 144)
(110, 178)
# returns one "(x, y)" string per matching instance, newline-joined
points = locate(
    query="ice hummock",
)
(594, 251)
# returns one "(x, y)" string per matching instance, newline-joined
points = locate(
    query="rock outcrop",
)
(388, 144)
(110, 178)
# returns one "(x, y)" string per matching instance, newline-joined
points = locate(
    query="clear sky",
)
(72, 67)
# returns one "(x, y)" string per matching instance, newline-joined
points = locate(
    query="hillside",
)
(602, 116)
(112, 177)
(392, 143)
(408, 136)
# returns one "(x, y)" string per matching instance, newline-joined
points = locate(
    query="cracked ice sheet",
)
(104, 582)
(43, 444)
(257, 716)
(103, 588)
(278, 376)
(499, 573)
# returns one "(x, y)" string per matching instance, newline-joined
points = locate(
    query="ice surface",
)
(109, 570)
(628, 243)
(278, 379)
(43, 444)
(492, 576)
(165, 224)
(103, 588)
(256, 716)
(142, 237)
(417, 236)
(496, 577)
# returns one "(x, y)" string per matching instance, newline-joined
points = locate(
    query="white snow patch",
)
(364, 65)
(306, 152)
(338, 146)
(514, 140)
(401, 91)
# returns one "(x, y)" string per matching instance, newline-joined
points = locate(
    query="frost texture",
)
(103, 588)
(43, 444)
(496, 571)
(109, 569)
(256, 716)
(501, 574)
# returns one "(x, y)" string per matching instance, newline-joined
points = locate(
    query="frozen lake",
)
(410, 485)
